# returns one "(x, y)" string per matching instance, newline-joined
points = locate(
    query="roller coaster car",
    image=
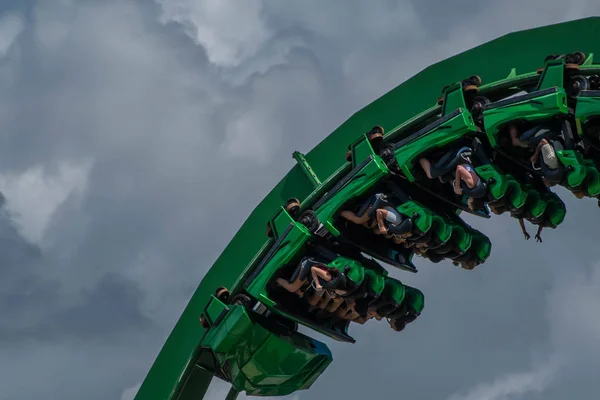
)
(286, 291)
(430, 234)
(255, 354)
(587, 109)
(446, 131)
(536, 108)
(434, 142)
(547, 118)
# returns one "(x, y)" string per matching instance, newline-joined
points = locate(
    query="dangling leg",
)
(426, 165)
(350, 216)
(290, 286)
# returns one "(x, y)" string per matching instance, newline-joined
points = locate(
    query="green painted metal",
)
(588, 103)
(416, 298)
(573, 161)
(556, 210)
(261, 360)
(535, 106)
(395, 289)
(453, 127)
(173, 373)
(310, 174)
(497, 182)
(376, 282)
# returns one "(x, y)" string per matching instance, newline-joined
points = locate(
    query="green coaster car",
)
(256, 355)
(543, 114)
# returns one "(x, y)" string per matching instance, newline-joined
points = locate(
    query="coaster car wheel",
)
(375, 136)
(222, 293)
(241, 300)
(310, 220)
(594, 81)
(292, 206)
(387, 154)
(577, 84)
(470, 88)
(577, 57)
(478, 106)
(475, 80)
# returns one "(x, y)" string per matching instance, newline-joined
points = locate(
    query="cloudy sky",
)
(136, 137)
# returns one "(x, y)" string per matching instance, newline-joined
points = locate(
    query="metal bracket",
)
(307, 169)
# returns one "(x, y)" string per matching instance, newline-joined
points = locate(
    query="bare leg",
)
(426, 165)
(350, 216)
(523, 229)
(538, 236)
(290, 287)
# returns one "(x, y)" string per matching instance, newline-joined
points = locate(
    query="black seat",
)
(479, 191)
(533, 136)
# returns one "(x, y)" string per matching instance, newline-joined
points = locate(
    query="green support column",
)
(232, 395)
(197, 384)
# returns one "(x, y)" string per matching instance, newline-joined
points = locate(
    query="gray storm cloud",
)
(136, 137)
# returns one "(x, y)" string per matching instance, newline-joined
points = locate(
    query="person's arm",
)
(538, 236)
(525, 233)
(318, 274)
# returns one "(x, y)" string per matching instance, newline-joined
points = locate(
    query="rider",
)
(466, 179)
(544, 156)
(323, 277)
(389, 220)
(413, 304)
(521, 220)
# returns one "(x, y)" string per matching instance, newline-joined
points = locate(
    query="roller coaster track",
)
(520, 86)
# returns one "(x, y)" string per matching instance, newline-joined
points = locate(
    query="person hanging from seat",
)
(544, 156)
(312, 272)
(459, 164)
(365, 214)
(389, 220)
(411, 309)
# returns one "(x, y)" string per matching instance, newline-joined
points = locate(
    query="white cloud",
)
(230, 31)
(511, 385)
(11, 25)
(572, 311)
(35, 194)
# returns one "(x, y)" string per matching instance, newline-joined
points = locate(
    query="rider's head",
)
(475, 204)
(397, 324)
